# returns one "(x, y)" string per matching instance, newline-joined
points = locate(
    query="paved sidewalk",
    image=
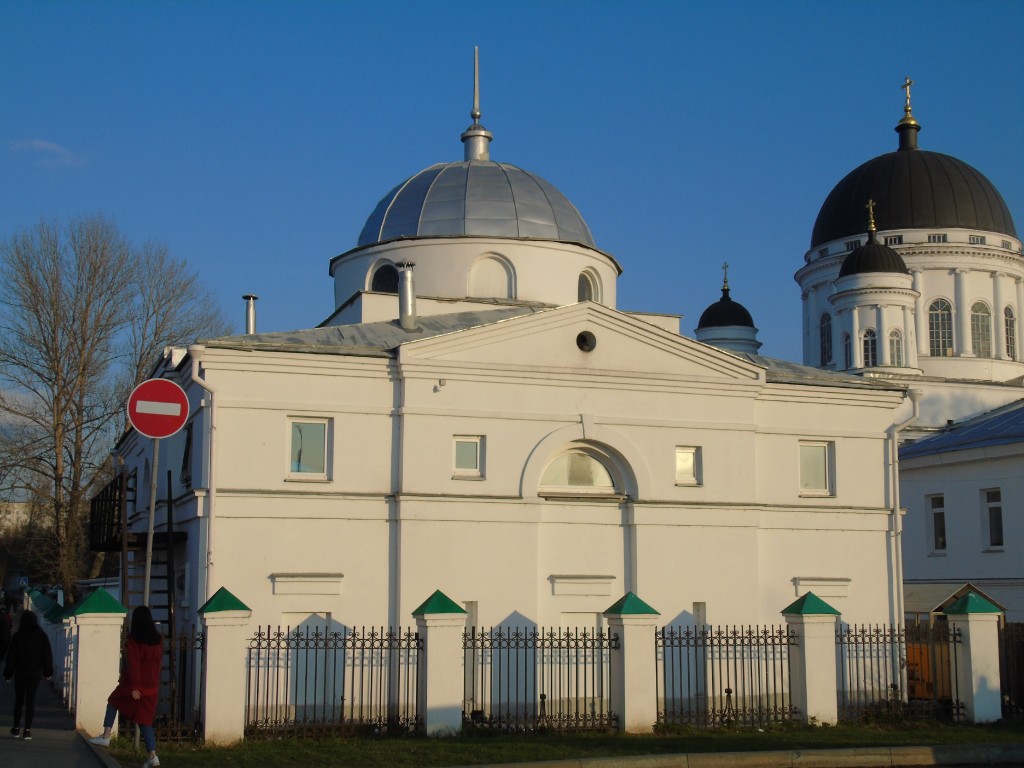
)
(54, 744)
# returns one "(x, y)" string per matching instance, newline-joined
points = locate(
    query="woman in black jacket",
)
(29, 659)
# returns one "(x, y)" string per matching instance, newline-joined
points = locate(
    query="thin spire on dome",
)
(907, 127)
(476, 138)
(871, 219)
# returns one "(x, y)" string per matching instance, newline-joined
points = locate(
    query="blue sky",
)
(254, 138)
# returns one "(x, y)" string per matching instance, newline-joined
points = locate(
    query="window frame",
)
(896, 357)
(869, 348)
(992, 511)
(697, 478)
(829, 451)
(312, 477)
(469, 473)
(607, 461)
(940, 328)
(937, 515)
(825, 338)
(981, 330)
(1010, 332)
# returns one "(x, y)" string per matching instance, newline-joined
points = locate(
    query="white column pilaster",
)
(977, 668)
(882, 329)
(998, 319)
(962, 322)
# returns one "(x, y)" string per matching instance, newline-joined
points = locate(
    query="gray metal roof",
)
(475, 197)
(1003, 426)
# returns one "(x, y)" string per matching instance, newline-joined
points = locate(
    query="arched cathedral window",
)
(896, 348)
(385, 279)
(847, 352)
(580, 470)
(870, 349)
(1011, 333)
(825, 334)
(940, 328)
(981, 330)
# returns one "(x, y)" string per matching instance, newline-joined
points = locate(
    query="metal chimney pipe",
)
(406, 297)
(250, 314)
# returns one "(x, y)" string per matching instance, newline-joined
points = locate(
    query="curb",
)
(859, 757)
(102, 756)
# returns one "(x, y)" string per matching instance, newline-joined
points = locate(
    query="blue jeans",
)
(148, 737)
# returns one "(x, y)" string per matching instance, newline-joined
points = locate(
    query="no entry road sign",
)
(157, 408)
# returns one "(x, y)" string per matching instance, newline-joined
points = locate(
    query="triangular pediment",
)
(582, 338)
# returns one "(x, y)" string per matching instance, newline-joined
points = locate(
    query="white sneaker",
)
(100, 741)
(153, 762)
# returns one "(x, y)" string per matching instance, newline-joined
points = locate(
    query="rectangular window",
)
(308, 449)
(993, 517)
(851, 245)
(938, 239)
(816, 476)
(823, 252)
(1006, 244)
(976, 239)
(894, 239)
(688, 469)
(469, 456)
(938, 507)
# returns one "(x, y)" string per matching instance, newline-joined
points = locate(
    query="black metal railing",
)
(536, 679)
(321, 680)
(888, 672)
(710, 677)
(105, 516)
(1011, 669)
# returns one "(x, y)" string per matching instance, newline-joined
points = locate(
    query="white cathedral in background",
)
(915, 275)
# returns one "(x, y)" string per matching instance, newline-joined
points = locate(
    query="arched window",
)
(981, 330)
(385, 279)
(870, 348)
(580, 471)
(585, 289)
(847, 352)
(896, 348)
(1011, 333)
(492, 277)
(940, 329)
(825, 337)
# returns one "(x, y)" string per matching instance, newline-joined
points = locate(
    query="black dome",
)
(913, 189)
(724, 312)
(873, 257)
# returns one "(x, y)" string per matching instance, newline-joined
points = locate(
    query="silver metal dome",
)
(475, 197)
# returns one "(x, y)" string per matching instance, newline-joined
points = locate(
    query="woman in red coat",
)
(136, 692)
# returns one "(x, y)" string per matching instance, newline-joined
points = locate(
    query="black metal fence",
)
(723, 676)
(887, 672)
(1011, 669)
(318, 680)
(530, 679)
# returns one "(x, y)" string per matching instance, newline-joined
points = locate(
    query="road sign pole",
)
(152, 517)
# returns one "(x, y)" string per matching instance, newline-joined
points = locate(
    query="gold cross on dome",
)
(907, 82)
(725, 273)
(871, 215)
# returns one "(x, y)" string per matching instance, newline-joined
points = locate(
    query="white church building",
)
(915, 275)
(477, 416)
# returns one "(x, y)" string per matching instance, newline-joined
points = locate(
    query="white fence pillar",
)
(634, 670)
(813, 689)
(226, 625)
(977, 657)
(96, 661)
(439, 689)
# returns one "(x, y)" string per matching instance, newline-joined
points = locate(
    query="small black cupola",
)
(873, 256)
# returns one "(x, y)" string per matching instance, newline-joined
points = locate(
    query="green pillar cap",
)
(631, 605)
(972, 602)
(223, 600)
(809, 604)
(99, 601)
(438, 602)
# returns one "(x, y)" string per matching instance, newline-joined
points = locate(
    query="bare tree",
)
(81, 311)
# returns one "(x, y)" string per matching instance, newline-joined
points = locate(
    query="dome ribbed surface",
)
(725, 312)
(873, 257)
(476, 197)
(913, 189)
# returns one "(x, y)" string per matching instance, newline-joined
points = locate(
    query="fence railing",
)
(885, 671)
(720, 676)
(526, 679)
(316, 680)
(1011, 669)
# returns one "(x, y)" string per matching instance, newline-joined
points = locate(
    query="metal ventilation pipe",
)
(406, 297)
(250, 314)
